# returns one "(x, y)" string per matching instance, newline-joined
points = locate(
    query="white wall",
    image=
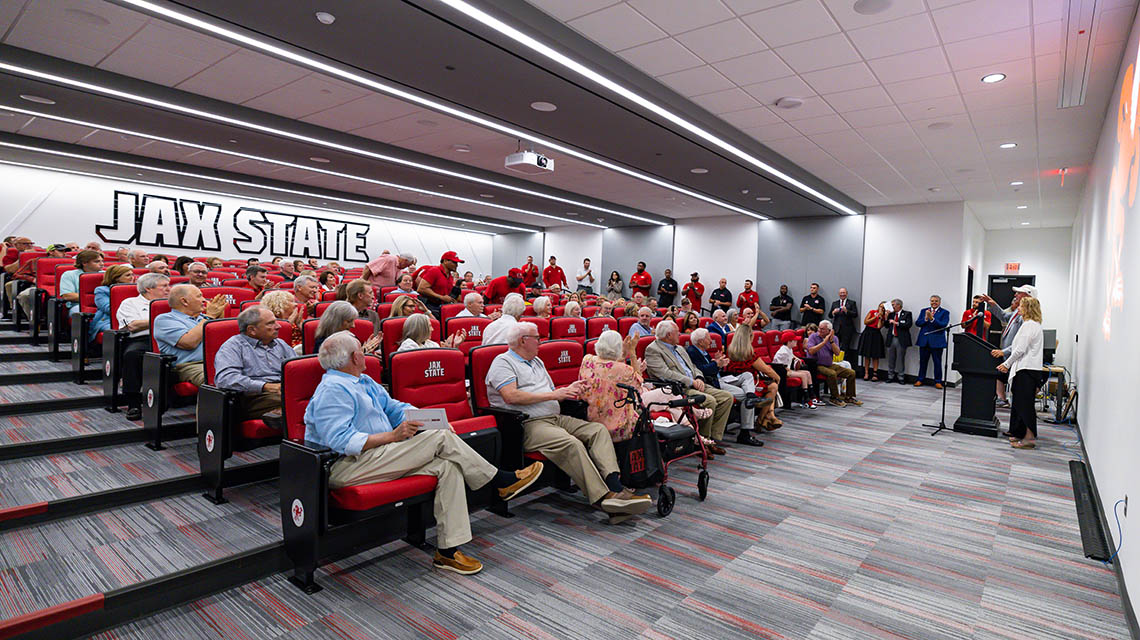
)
(1103, 307)
(722, 247)
(1045, 253)
(973, 253)
(570, 245)
(50, 206)
(511, 250)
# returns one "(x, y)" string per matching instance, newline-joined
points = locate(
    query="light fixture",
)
(36, 99)
(871, 7)
(1007, 145)
(324, 17)
(238, 183)
(232, 140)
(487, 195)
(698, 170)
(1024, 224)
(993, 78)
(763, 199)
(934, 189)
(789, 102)
(939, 126)
(179, 108)
(543, 106)
(744, 191)
(319, 159)
(571, 213)
(461, 148)
(1022, 206)
(1016, 183)
(403, 94)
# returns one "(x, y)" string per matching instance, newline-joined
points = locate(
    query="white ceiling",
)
(872, 86)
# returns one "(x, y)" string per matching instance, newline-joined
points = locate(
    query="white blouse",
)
(410, 345)
(1027, 350)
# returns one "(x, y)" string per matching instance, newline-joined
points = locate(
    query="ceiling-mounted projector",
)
(529, 162)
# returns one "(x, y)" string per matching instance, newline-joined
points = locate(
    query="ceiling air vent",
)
(1076, 52)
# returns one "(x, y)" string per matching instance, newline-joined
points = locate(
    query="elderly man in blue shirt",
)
(179, 332)
(353, 415)
(250, 362)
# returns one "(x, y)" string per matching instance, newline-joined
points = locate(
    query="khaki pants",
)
(720, 402)
(439, 453)
(833, 374)
(584, 450)
(255, 405)
(191, 372)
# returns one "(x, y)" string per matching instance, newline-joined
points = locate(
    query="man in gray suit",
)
(1011, 319)
(664, 360)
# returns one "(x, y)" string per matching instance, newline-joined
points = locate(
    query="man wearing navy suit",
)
(931, 339)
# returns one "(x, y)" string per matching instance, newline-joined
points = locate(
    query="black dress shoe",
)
(134, 413)
(745, 437)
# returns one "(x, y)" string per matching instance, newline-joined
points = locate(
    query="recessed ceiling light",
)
(1024, 224)
(427, 123)
(601, 219)
(233, 140)
(36, 99)
(543, 106)
(319, 159)
(993, 77)
(698, 170)
(763, 199)
(1016, 183)
(486, 195)
(461, 148)
(89, 17)
(789, 102)
(934, 189)
(1022, 206)
(744, 191)
(1007, 145)
(939, 126)
(325, 17)
(138, 174)
(571, 213)
(871, 7)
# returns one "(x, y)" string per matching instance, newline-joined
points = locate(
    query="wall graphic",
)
(1121, 191)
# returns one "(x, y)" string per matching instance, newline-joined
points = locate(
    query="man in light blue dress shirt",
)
(179, 332)
(353, 415)
(250, 362)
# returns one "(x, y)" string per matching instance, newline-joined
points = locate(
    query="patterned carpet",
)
(34, 366)
(10, 393)
(49, 426)
(850, 523)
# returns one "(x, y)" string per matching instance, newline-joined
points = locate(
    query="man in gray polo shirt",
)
(517, 380)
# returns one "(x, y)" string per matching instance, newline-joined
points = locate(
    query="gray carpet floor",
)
(34, 427)
(850, 523)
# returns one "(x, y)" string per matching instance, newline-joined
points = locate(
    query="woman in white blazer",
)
(1024, 367)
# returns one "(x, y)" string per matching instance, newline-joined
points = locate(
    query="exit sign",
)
(1012, 268)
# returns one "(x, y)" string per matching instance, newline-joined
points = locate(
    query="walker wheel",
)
(666, 496)
(703, 484)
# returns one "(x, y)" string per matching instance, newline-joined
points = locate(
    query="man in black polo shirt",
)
(781, 308)
(812, 306)
(666, 290)
(720, 298)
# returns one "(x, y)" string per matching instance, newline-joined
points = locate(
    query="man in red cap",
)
(436, 282)
(498, 288)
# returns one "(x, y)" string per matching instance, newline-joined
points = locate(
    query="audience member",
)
(665, 360)
(250, 363)
(258, 278)
(788, 366)
(181, 263)
(640, 283)
(845, 318)
(138, 258)
(288, 271)
(899, 322)
(120, 254)
(158, 266)
(530, 272)
(354, 416)
(417, 334)
(615, 287)
(600, 374)
(642, 327)
(383, 270)
(931, 339)
(468, 281)
(199, 274)
(666, 290)
(652, 304)
(284, 307)
(749, 298)
(436, 282)
(742, 385)
(573, 309)
(781, 309)
(67, 289)
(327, 280)
(585, 277)
(473, 307)
(720, 299)
(362, 297)
(179, 332)
(719, 325)
(341, 315)
(823, 346)
(405, 286)
(542, 307)
(498, 288)
(214, 263)
(101, 321)
(694, 292)
(405, 306)
(745, 363)
(691, 322)
(976, 320)
(513, 308)
(517, 380)
(1023, 366)
(812, 306)
(732, 318)
(134, 316)
(605, 310)
(94, 246)
(553, 274)
(871, 344)
(1011, 324)
(307, 293)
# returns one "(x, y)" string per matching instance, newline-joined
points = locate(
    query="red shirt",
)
(972, 325)
(530, 274)
(747, 299)
(640, 283)
(552, 275)
(694, 291)
(498, 289)
(439, 282)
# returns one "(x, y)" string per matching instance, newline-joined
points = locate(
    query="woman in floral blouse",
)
(601, 374)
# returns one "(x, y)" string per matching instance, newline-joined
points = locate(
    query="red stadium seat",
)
(242, 282)
(563, 359)
(81, 349)
(568, 329)
(643, 343)
(450, 310)
(328, 296)
(705, 321)
(543, 325)
(619, 312)
(362, 329)
(393, 329)
(591, 345)
(113, 346)
(624, 324)
(772, 338)
(595, 326)
(319, 309)
(474, 328)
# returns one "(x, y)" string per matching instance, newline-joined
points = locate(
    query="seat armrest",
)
(573, 408)
(510, 424)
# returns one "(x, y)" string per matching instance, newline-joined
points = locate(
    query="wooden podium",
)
(979, 371)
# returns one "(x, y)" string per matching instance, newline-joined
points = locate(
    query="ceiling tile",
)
(678, 16)
(67, 30)
(872, 117)
(923, 88)
(771, 91)
(8, 13)
(911, 65)
(661, 57)
(728, 101)
(793, 22)
(821, 53)
(722, 41)
(979, 18)
(53, 130)
(823, 124)
(306, 96)
(242, 76)
(745, 7)
(1048, 38)
(845, 78)
(750, 118)
(990, 51)
(933, 107)
(617, 27)
(361, 112)
(1113, 25)
(1016, 72)
(848, 19)
(857, 99)
(570, 9)
(753, 68)
(770, 132)
(13, 123)
(694, 82)
(888, 38)
(1009, 95)
(165, 54)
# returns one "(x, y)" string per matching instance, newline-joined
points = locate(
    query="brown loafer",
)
(937, 385)
(853, 401)
(715, 449)
(529, 475)
(461, 564)
(918, 384)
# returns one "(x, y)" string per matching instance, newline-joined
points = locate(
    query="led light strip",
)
(317, 142)
(579, 68)
(394, 90)
(241, 183)
(350, 176)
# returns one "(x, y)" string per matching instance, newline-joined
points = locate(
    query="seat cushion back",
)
(393, 329)
(474, 328)
(157, 308)
(361, 328)
(595, 326)
(299, 380)
(643, 343)
(543, 325)
(119, 293)
(592, 347)
(625, 323)
(451, 310)
(234, 297)
(432, 378)
(480, 359)
(242, 282)
(87, 284)
(590, 310)
(214, 334)
(568, 329)
(48, 271)
(563, 359)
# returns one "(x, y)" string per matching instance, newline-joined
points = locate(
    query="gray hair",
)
(731, 315)
(665, 328)
(897, 301)
(514, 305)
(303, 280)
(609, 345)
(250, 316)
(417, 327)
(155, 263)
(935, 295)
(148, 281)
(197, 264)
(518, 330)
(134, 252)
(406, 255)
(337, 350)
(824, 323)
(541, 303)
(699, 335)
(472, 297)
(335, 317)
(569, 307)
(721, 312)
(645, 309)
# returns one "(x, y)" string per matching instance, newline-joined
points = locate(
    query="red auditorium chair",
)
(319, 309)
(451, 310)
(393, 330)
(384, 309)
(221, 431)
(114, 342)
(595, 326)
(563, 359)
(44, 310)
(391, 296)
(24, 258)
(81, 349)
(248, 303)
(705, 321)
(772, 338)
(179, 280)
(625, 323)
(568, 329)
(543, 325)
(384, 291)
(591, 347)
(242, 282)
(558, 311)
(362, 329)
(312, 513)
(328, 296)
(589, 311)
(159, 390)
(140, 271)
(642, 344)
(474, 328)
(619, 312)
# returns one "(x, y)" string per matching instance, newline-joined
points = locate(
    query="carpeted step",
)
(16, 399)
(40, 428)
(41, 371)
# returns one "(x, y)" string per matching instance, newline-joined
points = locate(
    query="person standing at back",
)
(931, 339)
(666, 290)
(694, 291)
(781, 309)
(585, 277)
(845, 317)
(812, 306)
(553, 274)
(720, 299)
(640, 282)
(436, 282)
(530, 272)
(1024, 369)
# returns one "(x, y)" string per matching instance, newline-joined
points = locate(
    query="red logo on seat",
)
(298, 512)
(210, 440)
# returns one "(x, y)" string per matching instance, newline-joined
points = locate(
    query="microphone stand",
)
(945, 374)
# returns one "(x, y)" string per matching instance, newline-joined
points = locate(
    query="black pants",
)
(1022, 412)
(132, 368)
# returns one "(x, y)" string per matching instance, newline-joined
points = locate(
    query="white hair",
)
(570, 306)
(197, 264)
(721, 312)
(541, 303)
(664, 329)
(134, 252)
(336, 351)
(699, 335)
(472, 297)
(645, 309)
(516, 331)
(336, 315)
(609, 345)
(824, 323)
(514, 305)
(406, 255)
(148, 281)
(303, 280)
